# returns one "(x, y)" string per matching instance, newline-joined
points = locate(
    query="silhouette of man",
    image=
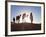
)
(13, 19)
(31, 17)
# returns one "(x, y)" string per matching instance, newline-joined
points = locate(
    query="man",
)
(31, 17)
(13, 20)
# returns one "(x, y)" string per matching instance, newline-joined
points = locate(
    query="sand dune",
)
(24, 26)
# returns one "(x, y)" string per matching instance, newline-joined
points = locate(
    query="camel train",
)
(24, 18)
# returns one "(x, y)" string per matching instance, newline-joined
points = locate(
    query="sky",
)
(36, 11)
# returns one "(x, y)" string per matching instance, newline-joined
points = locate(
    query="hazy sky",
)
(36, 11)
